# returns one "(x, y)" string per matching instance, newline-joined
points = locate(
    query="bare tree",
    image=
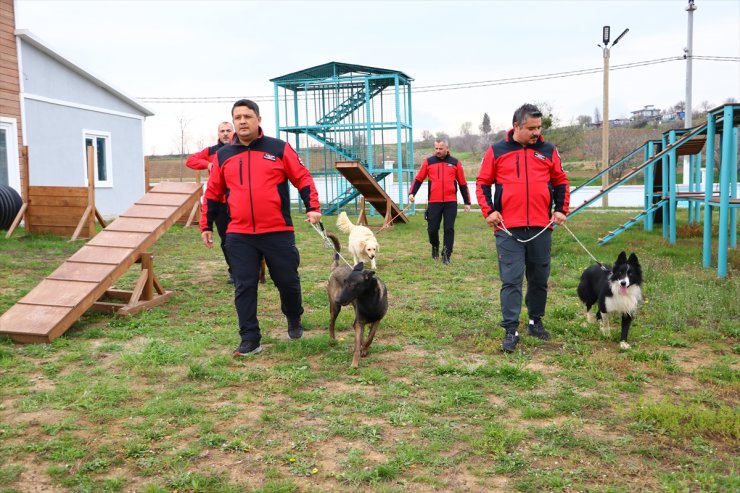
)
(597, 116)
(182, 138)
(584, 120)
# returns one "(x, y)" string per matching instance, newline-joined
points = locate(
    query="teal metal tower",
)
(344, 112)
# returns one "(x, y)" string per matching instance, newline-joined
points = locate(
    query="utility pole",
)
(605, 112)
(688, 54)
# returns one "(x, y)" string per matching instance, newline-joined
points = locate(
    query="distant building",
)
(648, 113)
(619, 122)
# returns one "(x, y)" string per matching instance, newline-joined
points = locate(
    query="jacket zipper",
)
(517, 165)
(251, 199)
(526, 180)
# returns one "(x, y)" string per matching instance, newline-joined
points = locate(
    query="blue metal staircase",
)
(350, 105)
(635, 220)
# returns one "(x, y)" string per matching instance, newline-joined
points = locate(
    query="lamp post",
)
(688, 54)
(606, 35)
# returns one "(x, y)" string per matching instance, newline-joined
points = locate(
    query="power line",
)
(453, 86)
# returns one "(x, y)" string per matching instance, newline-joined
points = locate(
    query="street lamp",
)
(606, 35)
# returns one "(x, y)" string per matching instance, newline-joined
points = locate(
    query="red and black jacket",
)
(444, 177)
(529, 181)
(254, 180)
(200, 161)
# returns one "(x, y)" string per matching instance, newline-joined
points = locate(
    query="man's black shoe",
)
(246, 348)
(511, 339)
(435, 252)
(295, 329)
(537, 330)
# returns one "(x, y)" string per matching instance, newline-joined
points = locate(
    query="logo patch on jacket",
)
(269, 157)
(539, 156)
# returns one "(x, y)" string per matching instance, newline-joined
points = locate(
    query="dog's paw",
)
(590, 317)
(624, 345)
(605, 330)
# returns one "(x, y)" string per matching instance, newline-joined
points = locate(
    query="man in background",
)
(204, 160)
(445, 174)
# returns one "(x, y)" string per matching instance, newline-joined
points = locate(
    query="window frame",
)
(106, 136)
(14, 171)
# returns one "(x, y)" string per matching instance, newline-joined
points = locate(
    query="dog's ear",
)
(621, 258)
(362, 244)
(359, 267)
(633, 259)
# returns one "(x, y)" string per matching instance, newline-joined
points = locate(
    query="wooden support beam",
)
(17, 219)
(81, 224)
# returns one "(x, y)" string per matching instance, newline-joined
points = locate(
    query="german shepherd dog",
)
(367, 294)
(615, 290)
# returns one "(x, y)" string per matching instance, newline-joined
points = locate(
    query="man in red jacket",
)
(253, 175)
(204, 160)
(529, 182)
(445, 174)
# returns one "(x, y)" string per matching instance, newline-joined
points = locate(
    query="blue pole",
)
(672, 188)
(733, 191)
(664, 186)
(709, 190)
(724, 190)
(647, 154)
(697, 187)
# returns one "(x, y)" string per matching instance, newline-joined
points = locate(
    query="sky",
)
(231, 49)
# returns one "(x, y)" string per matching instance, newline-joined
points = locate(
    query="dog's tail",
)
(343, 223)
(337, 247)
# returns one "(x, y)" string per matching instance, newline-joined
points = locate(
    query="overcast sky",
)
(151, 48)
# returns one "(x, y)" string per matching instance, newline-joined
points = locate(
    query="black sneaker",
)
(511, 339)
(537, 330)
(246, 348)
(435, 253)
(295, 329)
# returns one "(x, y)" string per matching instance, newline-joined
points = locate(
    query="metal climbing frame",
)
(722, 195)
(343, 112)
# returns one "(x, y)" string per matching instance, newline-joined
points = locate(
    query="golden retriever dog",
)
(362, 243)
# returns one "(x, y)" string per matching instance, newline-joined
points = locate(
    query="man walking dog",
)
(528, 179)
(445, 174)
(253, 175)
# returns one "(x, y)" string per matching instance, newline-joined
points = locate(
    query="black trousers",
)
(517, 260)
(282, 258)
(222, 222)
(435, 212)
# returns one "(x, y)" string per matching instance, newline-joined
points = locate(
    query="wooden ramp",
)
(362, 180)
(80, 282)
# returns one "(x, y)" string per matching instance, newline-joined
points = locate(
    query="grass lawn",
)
(156, 403)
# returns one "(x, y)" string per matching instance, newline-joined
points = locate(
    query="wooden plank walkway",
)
(363, 181)
(62, 297)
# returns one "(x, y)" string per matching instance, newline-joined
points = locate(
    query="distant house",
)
(648, 113)
(619, 122)
(64, 110)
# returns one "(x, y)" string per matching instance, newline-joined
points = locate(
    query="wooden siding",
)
(10, 101)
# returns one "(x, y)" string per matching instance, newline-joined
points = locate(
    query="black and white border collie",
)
(614, 291)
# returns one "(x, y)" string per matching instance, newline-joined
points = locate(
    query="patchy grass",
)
(155, 403)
